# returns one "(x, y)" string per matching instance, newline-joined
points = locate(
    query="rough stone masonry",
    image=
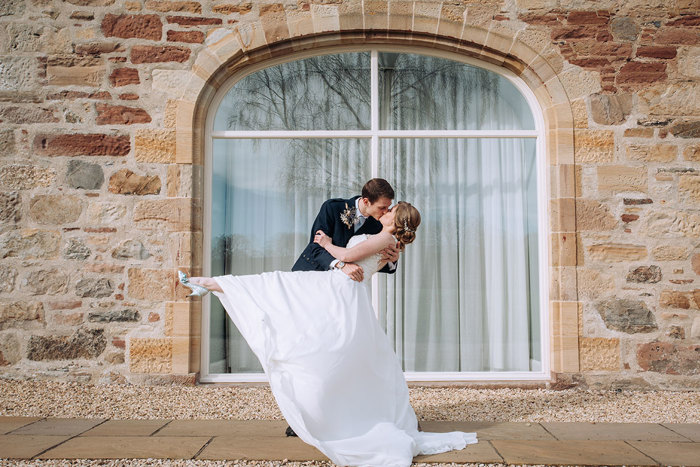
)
(93, 201)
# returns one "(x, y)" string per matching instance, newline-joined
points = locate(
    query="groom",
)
(340, 219)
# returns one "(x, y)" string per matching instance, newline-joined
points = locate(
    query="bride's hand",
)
(321, 238)
(390, 253)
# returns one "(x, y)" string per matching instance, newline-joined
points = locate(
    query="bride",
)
(330, 365)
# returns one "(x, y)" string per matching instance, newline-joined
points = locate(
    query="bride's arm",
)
(369, 247)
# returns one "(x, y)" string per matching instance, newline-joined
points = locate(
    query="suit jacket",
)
(315, 257)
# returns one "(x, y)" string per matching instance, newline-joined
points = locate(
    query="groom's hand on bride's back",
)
(353, 271)
(391, 254)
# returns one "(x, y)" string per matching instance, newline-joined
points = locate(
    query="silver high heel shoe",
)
(197, 290)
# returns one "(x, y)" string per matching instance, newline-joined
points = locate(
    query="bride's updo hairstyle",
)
(406, 221)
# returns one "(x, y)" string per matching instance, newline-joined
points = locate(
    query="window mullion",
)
(374, 109)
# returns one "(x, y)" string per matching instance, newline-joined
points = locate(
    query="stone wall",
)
(100, 169)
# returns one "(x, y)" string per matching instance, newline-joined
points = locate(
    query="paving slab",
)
(8, 424)
(491, 430)
(250, 428)
(26, 446)
(570, 452)
(260, 448)
(611, 431)
(119, 447)
(689, 430)
(670, 453)
(58, 426)
(126, 428)
(482, 452)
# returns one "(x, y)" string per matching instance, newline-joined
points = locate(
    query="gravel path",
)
(56, 399)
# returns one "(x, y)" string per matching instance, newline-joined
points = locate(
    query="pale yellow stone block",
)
(400, 16)
(251, 35)
(621, 178)
(562, 116)
(156, 146)
(562, 213)
(563, 179)
(594, 146)
(150, 355)
(563, 283)
(300, 23)
(599, 354)
(181, 355)
(475, 34)
(522, 51)
(542, 68)
(206, 64)
(426, 16)
(564, 147)
(376, 14)
(325, 18)
(226, 48)
(556, 91)
(580, 113)
(652, 153)
(563, 249)
(498, 42)
(617, 252)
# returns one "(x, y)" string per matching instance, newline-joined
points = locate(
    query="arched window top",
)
(333, 92)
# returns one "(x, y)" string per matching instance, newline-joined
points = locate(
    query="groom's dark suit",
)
(315, 257)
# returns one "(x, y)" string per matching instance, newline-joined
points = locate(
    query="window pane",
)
(465, 295)
(418, 92)
(329, 92)
(265, 196)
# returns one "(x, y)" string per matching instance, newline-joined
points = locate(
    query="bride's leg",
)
(207, 282)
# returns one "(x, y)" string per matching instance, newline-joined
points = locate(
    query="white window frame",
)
(375, 134)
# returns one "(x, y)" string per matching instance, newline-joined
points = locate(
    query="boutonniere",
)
(349, 216)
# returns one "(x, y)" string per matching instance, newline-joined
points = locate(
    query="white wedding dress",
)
(331, 368)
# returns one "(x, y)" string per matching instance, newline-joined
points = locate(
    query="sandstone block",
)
(695, 328)
(10, 349)
(229, 9)
(45, 282)
(676, 332)
(173, 214)
(84, 175)
(124, 77)
(94, 288)
(68, 319)
(28, 115)
(126, 182)
(641, 73)
(617, 252)
(672, 224)
(84, 343)
(120, 115)
(678, 99)
(689, 62)
(194, 20)
(11, 7)
(105, 213)
(620, 178)
(685, 129)
(97, 48)
(75, 71)
(18, 314)
(114, 316)
(593, 215)
(115, 358)
(76, 249)
(629, 316)
(692, 153)
(173, 82)
(652, 153)
(677, 36)
(7, 143)
(599, 354)
(164, 6)
(25, 177)
(594, 146)
(55, 209)
(594, 284)
(607, 109)
(82, 145)
(689, 188)
(10, 212)
(18, 74)
(670, 253)
(695, 263)
(668, 358)
(132, 26)
(131, 249)
(151, 284)
(194, 37)
(679, 299)
(29, 244)
(8, 275)
(666, 52)
(644, 274)
(156, 54)
(150, 355)
(64, 304)
(639, 133)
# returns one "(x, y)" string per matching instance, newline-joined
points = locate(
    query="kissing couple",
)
(331, 367)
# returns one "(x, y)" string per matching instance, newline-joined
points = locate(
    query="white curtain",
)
(464, 297)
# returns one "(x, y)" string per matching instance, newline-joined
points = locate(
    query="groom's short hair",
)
(377, 188)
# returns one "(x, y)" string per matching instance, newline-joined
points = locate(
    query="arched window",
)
(457, 140)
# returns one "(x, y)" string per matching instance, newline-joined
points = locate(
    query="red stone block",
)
(593, 63)
(129, 97)
(638, 72)
(120, 115)
(194, 37)
(629, 217)
(64, 305)
(588, 17)
(98, 48)
(668, 358)
(118, 342)
(657, 52)
(124, 76)
(132, 26)
(549, 19)
(684, 36)
(155, 54)
(193, 20)
(688, 20)
(82, 145)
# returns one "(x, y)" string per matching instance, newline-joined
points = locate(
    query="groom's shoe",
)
(197, 290)
(290, 432)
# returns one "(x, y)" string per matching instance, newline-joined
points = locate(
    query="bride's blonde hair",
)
(406, 221)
